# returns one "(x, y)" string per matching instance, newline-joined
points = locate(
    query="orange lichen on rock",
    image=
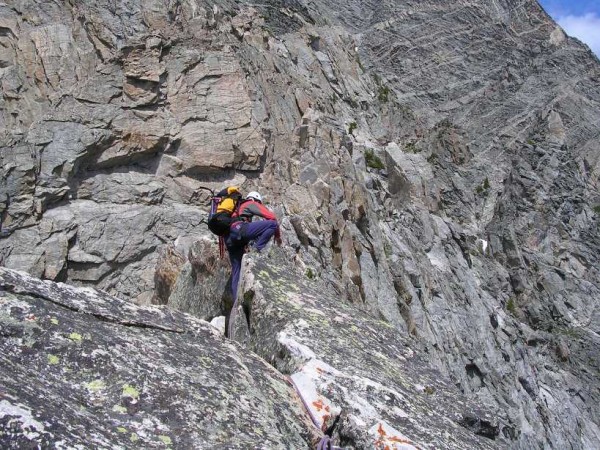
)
(384, 442)
(318, 404)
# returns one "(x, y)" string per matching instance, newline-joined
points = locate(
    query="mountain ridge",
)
(484, 217)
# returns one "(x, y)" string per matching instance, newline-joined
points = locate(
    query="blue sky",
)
(579, 18)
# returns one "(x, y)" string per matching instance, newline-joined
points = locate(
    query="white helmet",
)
(254, 196)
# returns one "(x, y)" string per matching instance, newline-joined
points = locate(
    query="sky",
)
(579, 18)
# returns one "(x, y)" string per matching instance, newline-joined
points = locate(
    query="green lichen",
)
(54, 321)
(352, 102)
(406, 111)
(166, 440)
(205, 361)
(317, 319)
(411, 147)
(484, 187)
(310, 274)
(511, 306)
(383, 94)
(264, 274)
(372, 160)
(75, 337)
(569, 332)
(122, 430)
(95, 386)
(53, 360)
(359, 62)
(119, 409)
(134, 437)
(130, 391)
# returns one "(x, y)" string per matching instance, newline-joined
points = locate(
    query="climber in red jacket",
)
(244, 231)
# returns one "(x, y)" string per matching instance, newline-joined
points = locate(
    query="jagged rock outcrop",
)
(346, 363)
(437, 163)
(81, 368)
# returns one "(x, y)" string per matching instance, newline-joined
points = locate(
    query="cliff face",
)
(82, 368)
(436, 162)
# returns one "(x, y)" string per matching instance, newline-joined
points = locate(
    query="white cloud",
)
(586, 28)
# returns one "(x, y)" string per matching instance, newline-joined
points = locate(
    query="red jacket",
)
(250, 208)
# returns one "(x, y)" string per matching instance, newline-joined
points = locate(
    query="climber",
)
(244, 231)
(223, 207)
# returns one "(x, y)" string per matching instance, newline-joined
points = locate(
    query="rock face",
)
(346, 363)
(82, 368)
(436, 163)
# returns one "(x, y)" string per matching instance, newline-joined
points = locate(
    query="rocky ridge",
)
(80, 367)
(436, 162)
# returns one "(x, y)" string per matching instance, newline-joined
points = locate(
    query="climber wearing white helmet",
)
(245, 231)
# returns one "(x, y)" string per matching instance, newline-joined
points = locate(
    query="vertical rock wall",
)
(436, 162)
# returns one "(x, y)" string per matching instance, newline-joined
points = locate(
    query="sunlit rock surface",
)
(437, 163)
(79, 368)
(346, 363)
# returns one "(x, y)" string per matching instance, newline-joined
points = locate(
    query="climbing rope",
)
(221, 247)
(326, 444)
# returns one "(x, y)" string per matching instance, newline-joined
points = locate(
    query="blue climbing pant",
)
(241, 233)
(259, 232)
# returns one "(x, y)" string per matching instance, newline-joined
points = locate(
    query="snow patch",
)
(483, 244)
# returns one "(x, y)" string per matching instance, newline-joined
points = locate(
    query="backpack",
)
(223, 206)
